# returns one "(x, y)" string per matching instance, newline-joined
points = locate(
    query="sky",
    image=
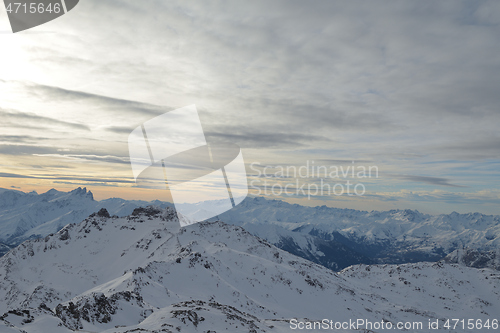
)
(409, 88)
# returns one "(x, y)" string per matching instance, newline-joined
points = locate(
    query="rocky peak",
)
(103, 212)
(82, 192)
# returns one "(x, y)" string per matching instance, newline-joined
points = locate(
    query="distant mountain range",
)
(30, 215)
(143, 273)
(332, 237)
(390, 237)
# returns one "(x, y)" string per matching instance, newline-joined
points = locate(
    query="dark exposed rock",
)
(475, 258)
(149, 211)
(96, 308)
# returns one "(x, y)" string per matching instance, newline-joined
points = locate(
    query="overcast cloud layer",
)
(409, 86)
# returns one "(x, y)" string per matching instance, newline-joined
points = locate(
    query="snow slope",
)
(29, 215)
(334, 238)
(396, 236)
(143, 273)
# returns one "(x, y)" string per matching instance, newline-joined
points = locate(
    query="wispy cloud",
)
(403, 85)
(97, 158)
(257, 138)
(59, 177)
(50, 93)
(426, 179)
(14, 118)
(484, 197)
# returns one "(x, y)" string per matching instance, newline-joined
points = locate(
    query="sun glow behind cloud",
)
(411, 89)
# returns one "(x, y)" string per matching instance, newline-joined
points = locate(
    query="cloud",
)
(425, 179)
(404, 85)
(468, 199)
(256, 138)
(97, 158)
(59, 177)
(407, 73)
(13, 175)
(19, 149)
(120, 129)
(50, 93)
(327, 161)
(49, 153)
(21, 138)
(14, 118)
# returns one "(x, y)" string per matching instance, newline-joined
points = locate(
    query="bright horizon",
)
(309, 203)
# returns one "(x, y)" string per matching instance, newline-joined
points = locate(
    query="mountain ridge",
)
(332, 237)
(395, 236)
(145, 273)
(31, 215)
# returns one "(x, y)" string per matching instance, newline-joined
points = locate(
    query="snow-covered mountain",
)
(474, 258)
(30, 215)
(396, 236)
(143, 273)
(332, 237)
(329, 253)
